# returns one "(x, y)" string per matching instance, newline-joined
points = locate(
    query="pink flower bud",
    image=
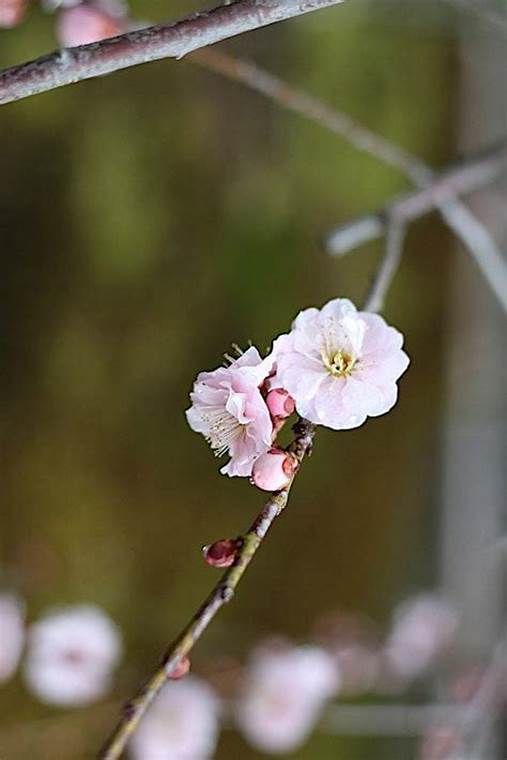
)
(273, 470)
(222, 553)
(11, 12)
(84, 24)
(181, 669)
(280, 404)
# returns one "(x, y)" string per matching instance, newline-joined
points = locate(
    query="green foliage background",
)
(147, 220)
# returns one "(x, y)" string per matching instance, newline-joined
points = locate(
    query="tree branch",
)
(223, 592)
(441, 193)
(172, 40)
(472, 233)
(388, 266)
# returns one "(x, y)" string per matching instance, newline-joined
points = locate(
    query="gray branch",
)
(172, 40)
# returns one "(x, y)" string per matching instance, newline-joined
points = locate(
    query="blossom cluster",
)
(275, 700)
(336, 367)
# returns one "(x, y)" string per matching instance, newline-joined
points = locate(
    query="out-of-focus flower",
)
(273, 470)
(71, 655)
(83, 24)
(12, 634)
(229, 410)
(182, 724)
(422, 628)
(353, 642)
(339, 365)
(283, 695)
(12, 12)
(443, 742)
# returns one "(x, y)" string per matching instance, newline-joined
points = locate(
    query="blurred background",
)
(150, 218)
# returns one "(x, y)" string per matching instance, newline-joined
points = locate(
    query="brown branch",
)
(223, 592)
(171, 40)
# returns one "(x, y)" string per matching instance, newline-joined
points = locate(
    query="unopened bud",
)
(273, 470)
(222, 553)
(181, 669)
(83, 24)
(279, 403)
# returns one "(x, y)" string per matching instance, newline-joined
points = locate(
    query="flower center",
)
(224, 429)
(340, 363)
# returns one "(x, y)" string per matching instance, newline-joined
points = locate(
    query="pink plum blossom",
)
(85, 23)
(280, 404)
(12, 634)
(284, 693)
(273, 470)
(182, 724)
(71, 654)
(423, 627)
(339, 365)
(229, 410)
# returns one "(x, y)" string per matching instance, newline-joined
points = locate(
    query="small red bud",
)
(222, 553)
(181, 669)
(279, 403)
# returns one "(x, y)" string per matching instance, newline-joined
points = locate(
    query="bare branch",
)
(460, 179)
(223, 592)
(472, 233)
(172, 40)
(464, 178)
(388, 266)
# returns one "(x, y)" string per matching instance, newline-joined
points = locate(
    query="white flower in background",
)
(229, 410)
(71, 654)
(12, 634)
(339, 365)
(182, 723)
(283, 696)
(422, 628)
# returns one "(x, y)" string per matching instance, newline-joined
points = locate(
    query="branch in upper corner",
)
(388, 266)
(172, 40)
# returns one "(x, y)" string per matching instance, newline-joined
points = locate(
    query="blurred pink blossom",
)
(83, 24)
(71, 655)
(422, 628)
(182, 724)
(229, 410)
(12, 12)
(12, 634)
(283, 695)
(340, 365)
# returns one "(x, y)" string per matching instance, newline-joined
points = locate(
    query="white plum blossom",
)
(340, 365)
(283, 695)
(71, 655)
(182, 723)
(423, 627)
(229, 410)
(12, 634)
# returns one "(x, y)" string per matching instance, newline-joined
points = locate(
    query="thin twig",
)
(304, 432)
(472, 233)
(223, 592)
(171, 40)
(388, 266)
(460, 179)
